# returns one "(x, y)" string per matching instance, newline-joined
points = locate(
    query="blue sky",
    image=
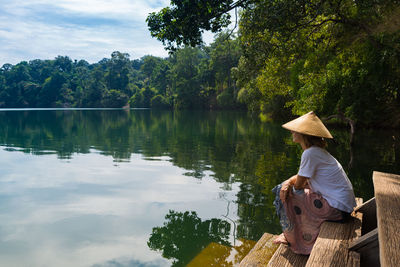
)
(81, 29)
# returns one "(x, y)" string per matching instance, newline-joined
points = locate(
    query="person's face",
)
(297, 137)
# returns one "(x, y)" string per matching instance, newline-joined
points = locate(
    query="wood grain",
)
(387, 197)
(331, 247)
(286, 258)
(261, 253)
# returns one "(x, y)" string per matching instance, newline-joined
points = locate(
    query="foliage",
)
(184, 22)
(322, 56)
(115, 99)
(192, 78)
(159, 102)
(333, 57)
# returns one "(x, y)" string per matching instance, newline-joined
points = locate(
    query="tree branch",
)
(343, 118)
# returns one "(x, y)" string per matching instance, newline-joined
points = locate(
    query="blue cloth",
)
(280, 209)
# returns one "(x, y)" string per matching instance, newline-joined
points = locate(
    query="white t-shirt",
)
(328, 178)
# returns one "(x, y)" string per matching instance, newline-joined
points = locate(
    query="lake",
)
(152, 188)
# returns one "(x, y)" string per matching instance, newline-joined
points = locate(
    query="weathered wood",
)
(387, 195)
(368, 247)
(284, 257)
(359, 217)
(367, 206)
(369, 222)
(354, 259)
(331, 246)
(261, 253)
(364, 240)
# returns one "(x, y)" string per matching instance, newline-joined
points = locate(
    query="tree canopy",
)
(334, 57)
(184, 22)
(192, 78)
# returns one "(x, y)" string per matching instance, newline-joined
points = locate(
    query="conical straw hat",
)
(308, 124)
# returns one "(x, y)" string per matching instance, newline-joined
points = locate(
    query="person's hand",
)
(285, 191)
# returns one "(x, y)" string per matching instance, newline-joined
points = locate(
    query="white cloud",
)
(136, 10)
(90, 30)
(114, 8)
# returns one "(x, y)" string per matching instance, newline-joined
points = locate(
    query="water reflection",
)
(63, 171)
(88, 211)
(184, 235)
(219, 255)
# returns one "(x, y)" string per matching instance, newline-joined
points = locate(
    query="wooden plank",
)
(368, 209)
(354, 259)
(387, 195)
(358, 216)
(368, 247)
(284, 257)
(330, 249)
(364, 240)
(331, 246)
(367, 206)
(261, 252)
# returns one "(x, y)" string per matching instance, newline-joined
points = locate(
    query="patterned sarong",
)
(301, 217)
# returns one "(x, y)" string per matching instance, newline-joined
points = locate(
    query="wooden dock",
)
(370, 238)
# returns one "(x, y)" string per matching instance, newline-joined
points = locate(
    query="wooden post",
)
(387, 197)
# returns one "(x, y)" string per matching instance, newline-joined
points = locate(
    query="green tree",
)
(183, 23)
(159, 102)
(300, 55)
(142, 98)
(50, 92)
(15, 80)
(95, 90)
(224, 55)
(317, 55)
(117, 75)
(184, 74)
(156, 70)
(63, 64)
(114, 99)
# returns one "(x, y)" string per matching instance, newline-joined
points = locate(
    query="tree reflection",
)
(184, 235)
(229, 146)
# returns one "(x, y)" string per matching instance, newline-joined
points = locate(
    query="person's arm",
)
(301, 182)
(297, 181)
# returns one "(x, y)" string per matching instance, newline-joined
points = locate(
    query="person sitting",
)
(320, 191)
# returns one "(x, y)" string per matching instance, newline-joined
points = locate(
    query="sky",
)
(80, 29)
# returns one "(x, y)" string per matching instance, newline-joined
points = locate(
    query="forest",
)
(191, 78)
(339, 58)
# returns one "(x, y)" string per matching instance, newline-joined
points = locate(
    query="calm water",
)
(146, 188)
